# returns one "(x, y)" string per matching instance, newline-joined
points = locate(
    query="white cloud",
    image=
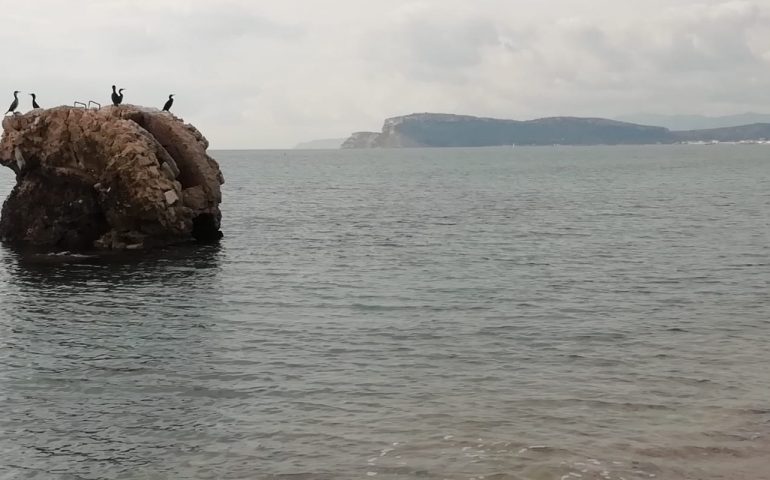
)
(270, 74)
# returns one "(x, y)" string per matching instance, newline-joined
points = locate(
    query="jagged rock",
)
(114, 178)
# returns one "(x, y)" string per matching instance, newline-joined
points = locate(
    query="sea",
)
(565, 313)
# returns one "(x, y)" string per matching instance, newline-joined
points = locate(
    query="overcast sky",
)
(252, 73)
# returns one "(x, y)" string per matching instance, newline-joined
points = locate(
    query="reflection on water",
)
(97, 353)
(529, 314)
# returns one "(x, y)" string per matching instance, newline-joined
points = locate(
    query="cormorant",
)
(34, 101)
(117, 97)
(15, 102)
(169, 102)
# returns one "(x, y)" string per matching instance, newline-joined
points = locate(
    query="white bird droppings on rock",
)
(171, 197)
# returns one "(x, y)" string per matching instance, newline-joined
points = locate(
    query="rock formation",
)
(361, 140)
(116, 178)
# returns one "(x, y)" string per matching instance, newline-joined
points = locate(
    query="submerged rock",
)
(117, 178)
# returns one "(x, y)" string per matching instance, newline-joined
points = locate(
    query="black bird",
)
(169, 102)
(34, 101)
(15, 102)
(117, 97)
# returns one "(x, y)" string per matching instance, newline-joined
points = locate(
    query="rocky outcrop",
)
(361, 140)
(116, 178)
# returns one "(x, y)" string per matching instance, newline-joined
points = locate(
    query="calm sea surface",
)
(528, 313)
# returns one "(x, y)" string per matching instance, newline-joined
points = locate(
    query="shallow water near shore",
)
(528, 313)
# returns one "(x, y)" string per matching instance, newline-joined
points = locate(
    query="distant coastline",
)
(322, 144)
(448, 130)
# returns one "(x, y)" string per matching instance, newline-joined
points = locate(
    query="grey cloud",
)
(198, 30)
(451, 44)
(711, 41)
(270, 74)
(596, 42)
(692, 52)
(217, 24)
(432, 46)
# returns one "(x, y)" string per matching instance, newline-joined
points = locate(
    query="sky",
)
(258, 74)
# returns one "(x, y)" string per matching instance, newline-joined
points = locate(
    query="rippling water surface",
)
(565, 313)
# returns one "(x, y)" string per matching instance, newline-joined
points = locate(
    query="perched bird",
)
(15, 102)
(117, 97)
(169, 102)
(34, 101)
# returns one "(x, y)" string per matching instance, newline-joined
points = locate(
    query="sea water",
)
(528, 313)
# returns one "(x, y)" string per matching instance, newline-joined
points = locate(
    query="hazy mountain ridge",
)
(448, 130)
(320, 144)
(696, 122)
(742, 133)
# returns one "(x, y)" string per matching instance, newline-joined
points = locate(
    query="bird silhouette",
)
(117, 97)
(169, 102)
(34, 101)
(15, 102)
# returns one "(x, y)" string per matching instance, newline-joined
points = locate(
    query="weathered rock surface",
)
(117, 178)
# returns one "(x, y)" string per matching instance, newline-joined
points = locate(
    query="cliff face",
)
(116, 178)
(445, 130)
(361, 140)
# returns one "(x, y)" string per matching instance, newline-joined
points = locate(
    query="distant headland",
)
(322, 144)
(447, 130)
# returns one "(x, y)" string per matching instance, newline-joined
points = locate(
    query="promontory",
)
(448, 130)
